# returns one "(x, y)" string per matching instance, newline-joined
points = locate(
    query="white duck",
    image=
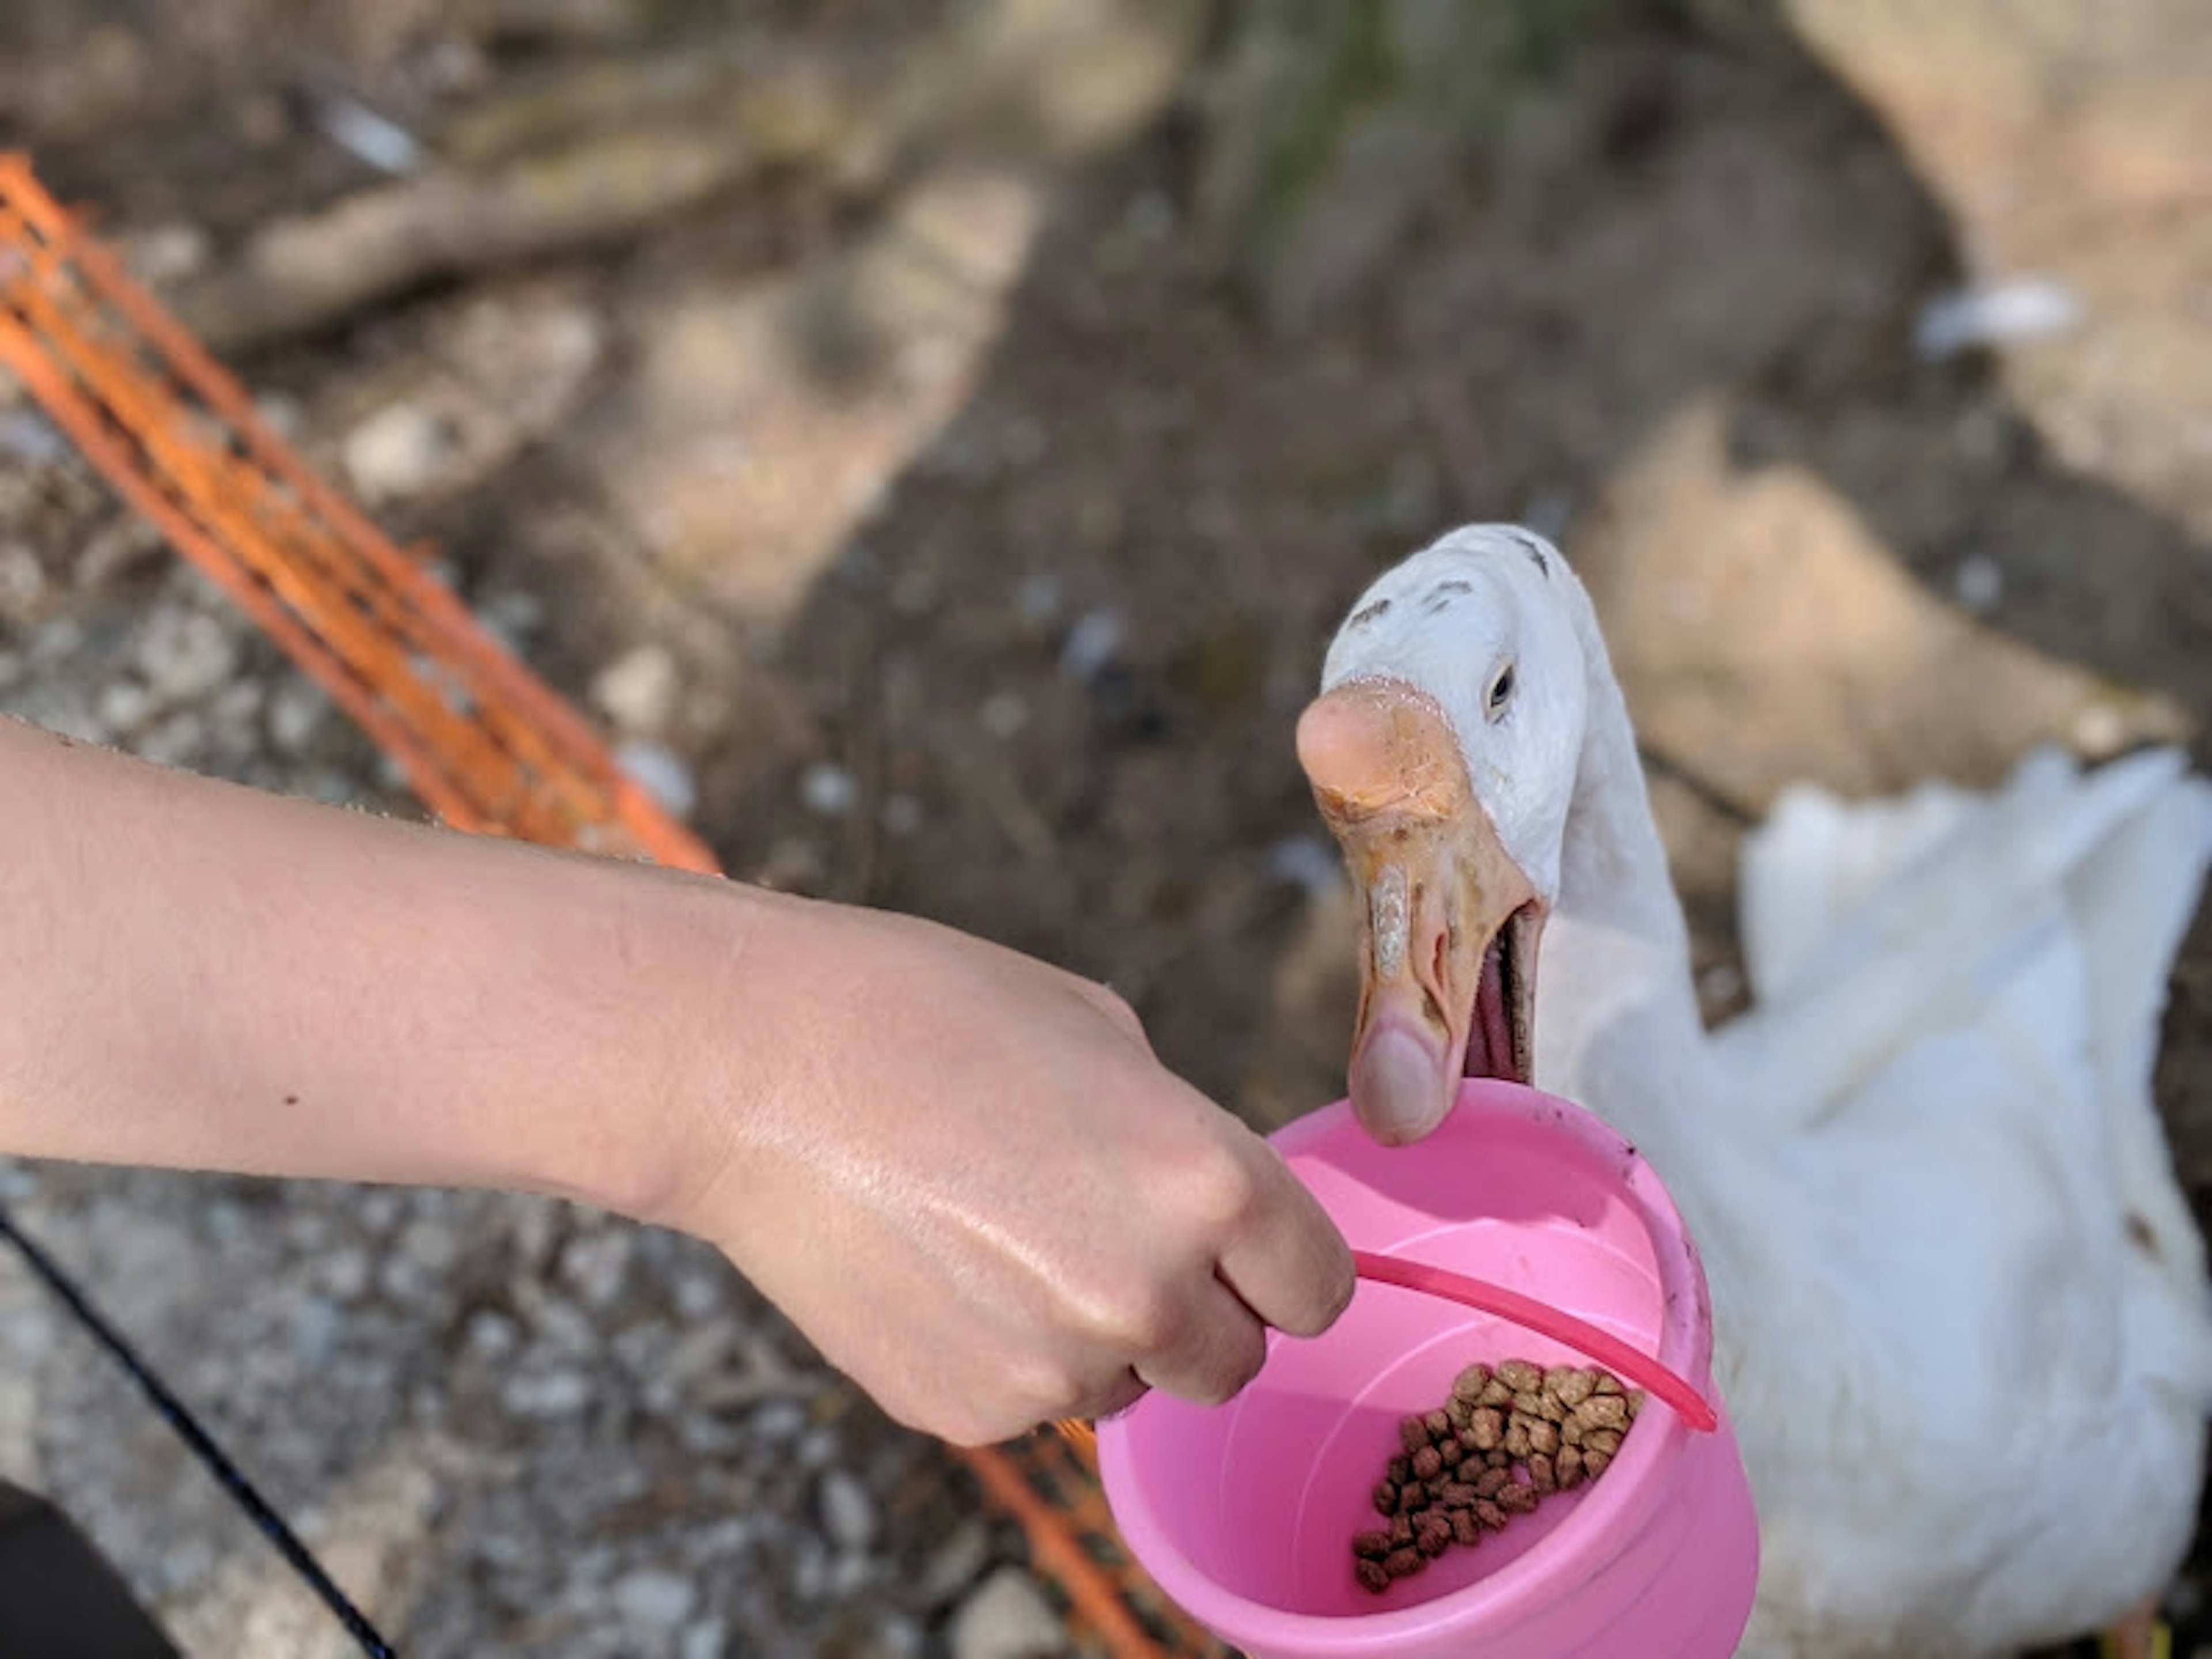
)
(1963, 1325)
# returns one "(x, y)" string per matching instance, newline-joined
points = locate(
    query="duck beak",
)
(1447, 963)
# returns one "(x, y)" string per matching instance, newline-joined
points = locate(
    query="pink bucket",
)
(1244, 1514)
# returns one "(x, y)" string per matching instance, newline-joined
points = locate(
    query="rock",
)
(535, 1393)
(123, 706)
(653, 1601)
(1004, 713)
(953, 1565)
(849, 1514)
(403, 450)
(828, 790)
(184, 652)
(431, 1244)
(295, 714)
(1006, 1617)
(1093, 642)
(22, 580)
(661, 772)
(639, 689)
(597, 1264)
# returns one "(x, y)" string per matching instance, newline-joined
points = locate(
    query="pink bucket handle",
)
(1631, 1364)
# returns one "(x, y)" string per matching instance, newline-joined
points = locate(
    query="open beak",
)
(1448, 968)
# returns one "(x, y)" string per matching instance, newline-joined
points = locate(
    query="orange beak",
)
(1448, 963)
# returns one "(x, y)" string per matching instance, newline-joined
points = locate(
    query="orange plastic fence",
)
(488, 746)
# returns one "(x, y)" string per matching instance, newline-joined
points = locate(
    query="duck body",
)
(1963, 1323)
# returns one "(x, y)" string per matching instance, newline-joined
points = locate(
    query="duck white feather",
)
(1964, 1324)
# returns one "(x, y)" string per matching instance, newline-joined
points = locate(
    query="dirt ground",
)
(967, 521)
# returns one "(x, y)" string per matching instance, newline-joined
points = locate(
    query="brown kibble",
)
(1466, 1529)
(1470, 1383)
(1542, 1475)
(1607, 1384)
(1494, 1393)
(1434, 1538)
(1500, 1459)
(1601, 1443)
(1571, 1431)
(1517, 1438)
(1386, 1497)
(1491, 1482)
(1413, 1434)
(1635, 1403)
(1372, 1575)
(1401, 1529)
(1602, 1411)
(1520, 1376)
(1570, 1385)
(1437, 1425)
(1596, 1462)
(1428, 1463)
(1568, 1466)
(1451, 1452)
(1458, 1495)
(1543, 1437)
(1403, 1564)
(1488, 1427)
(1372, 1544)
(1517, 1499)
(1459, 1411)
(1399, 1470)
(1550, 1409)
(1487, 1511)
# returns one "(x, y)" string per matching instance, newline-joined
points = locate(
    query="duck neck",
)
(1617, 1026)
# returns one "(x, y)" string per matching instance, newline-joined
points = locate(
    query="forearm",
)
(197, 976)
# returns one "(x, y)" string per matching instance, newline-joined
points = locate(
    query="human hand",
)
(965, 1176)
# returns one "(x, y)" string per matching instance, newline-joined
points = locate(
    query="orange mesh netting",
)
(488, 746)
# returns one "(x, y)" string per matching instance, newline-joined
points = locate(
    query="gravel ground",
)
(1022, 655)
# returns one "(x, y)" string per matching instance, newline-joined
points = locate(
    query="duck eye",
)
(1501, 691)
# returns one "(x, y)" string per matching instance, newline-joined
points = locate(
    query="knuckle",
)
(1117, 1010)
(1225, 1192)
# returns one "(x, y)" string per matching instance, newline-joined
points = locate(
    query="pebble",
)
(295, 714)
(547, 1392)
(1979, 582)
(1093, 643)
(400, 451)
(828, 790)
(954, 1564)
(651, 1600)
(1006, 1617)
(849, 1514)
(597, 1264)
(639, 690)
(124, 705)
(23, 579)
(183, 654)
(661, 772)
(778, 1421)
(1004, 713)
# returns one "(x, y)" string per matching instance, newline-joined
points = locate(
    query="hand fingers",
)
(1221, 1347)
(1285, 1258)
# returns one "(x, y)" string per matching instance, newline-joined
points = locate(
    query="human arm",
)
(960, 1171)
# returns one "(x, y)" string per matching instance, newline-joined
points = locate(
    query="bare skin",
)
(960, 1171)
